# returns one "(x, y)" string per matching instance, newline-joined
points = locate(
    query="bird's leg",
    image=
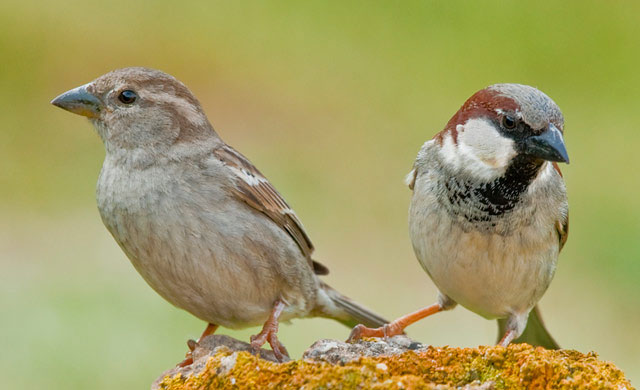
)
(192, 344)
(395, 327)
(508, 337)
(514, 327)
(269, 333)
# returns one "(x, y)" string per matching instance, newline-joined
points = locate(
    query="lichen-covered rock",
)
(338, 352)
(222, 362)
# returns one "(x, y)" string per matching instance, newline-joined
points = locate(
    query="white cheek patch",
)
(480, 151)
(482, 139)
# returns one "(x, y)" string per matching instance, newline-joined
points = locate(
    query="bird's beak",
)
(79, 101)
(548, 146)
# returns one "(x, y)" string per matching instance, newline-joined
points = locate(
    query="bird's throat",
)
(485, 201)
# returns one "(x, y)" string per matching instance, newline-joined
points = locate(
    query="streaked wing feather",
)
(410, 179)
(562, 227)
(256, 191)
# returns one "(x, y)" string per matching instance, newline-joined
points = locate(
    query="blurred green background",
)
(332, 101)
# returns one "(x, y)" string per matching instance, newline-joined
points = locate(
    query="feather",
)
(256, 191)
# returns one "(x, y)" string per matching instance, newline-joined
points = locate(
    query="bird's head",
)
(135, 108)
(500, 123)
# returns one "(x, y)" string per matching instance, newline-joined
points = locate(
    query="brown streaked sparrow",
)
(199, 222)
(489, 212)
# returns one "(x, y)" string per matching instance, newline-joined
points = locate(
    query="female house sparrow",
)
(489, 212)
(199, 222)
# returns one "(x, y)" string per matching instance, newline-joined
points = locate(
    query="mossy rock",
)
(398, 363)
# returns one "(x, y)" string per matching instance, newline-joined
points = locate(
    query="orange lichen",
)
(517, 367)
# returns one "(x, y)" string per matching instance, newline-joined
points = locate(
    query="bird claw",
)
(270, 336)
(192, 344)
(385, 331)
(188, 359)
(356, 333)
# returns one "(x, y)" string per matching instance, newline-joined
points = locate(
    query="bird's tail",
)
(332, 304)
(535, 333)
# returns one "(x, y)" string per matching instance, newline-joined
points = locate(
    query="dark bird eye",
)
(127, 97)
(508, 122)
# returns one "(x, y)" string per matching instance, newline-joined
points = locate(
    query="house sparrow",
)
(489, 212)
(199, 222)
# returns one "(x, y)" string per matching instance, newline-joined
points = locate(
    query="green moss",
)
(517, 367)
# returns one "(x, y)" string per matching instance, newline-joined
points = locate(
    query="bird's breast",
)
(495, 266)
(198, 247)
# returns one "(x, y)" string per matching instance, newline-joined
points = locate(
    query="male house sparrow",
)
(199, 222)
(489, 212)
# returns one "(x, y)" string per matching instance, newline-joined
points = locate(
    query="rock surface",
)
(221, 362)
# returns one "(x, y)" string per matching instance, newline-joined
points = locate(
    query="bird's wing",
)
(410, 179)
(562, 227)
(256, 191)
(426, 150)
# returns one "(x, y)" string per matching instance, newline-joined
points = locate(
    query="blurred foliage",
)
(332, 101)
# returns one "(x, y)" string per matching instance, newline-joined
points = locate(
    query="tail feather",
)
(332, 304)
(535, 333)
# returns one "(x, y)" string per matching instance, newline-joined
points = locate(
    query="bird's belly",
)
(201, 282)
(206, 262)
(491, 274)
